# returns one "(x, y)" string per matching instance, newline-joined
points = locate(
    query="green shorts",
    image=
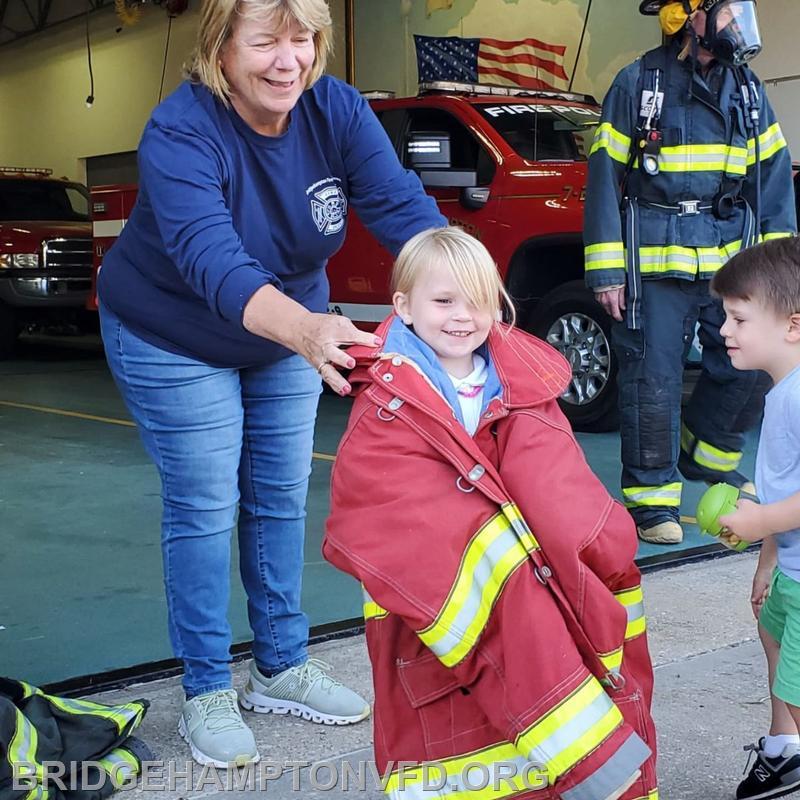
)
(780, 617)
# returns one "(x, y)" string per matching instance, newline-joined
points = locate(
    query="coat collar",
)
(530, 372)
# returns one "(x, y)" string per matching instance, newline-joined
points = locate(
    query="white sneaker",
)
(213, 727)
(306, 691)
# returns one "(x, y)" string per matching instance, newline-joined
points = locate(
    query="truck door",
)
(359, 273)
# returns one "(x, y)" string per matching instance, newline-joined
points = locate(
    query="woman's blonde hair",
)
(218, 20)
(473, 269)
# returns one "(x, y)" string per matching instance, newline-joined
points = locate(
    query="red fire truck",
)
(45, 251)
(509, 166)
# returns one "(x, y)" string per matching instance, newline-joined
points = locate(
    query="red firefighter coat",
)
(503, 607)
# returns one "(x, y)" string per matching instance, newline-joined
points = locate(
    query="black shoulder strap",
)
(652, 68)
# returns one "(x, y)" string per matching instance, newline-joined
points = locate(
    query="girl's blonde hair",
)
(218, 20)
(473, 269)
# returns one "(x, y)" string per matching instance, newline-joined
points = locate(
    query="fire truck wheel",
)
(572, 321)
(8, 332)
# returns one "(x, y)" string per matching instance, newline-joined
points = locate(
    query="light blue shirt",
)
(778, 461)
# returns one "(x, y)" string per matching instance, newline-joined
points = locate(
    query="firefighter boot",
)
(666, 532)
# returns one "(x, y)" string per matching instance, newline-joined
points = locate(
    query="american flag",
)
(526, 63)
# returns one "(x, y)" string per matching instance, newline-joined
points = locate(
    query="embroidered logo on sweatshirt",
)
(328, 205)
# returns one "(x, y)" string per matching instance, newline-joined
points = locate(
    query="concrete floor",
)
(710, 700)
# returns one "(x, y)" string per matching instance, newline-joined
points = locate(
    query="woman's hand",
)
(320, 339)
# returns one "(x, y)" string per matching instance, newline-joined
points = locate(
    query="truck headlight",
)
(25, 260)
(19, 260)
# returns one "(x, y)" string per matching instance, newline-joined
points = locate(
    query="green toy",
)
(718, 500)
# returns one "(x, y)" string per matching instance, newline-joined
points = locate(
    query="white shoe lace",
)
(220, 711)
(315, 670)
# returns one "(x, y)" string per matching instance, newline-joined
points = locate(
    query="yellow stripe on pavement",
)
(62, 412)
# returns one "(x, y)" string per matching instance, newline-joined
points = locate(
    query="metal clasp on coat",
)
(689, 208)
(394, 404)
(614, 680)
(475, 474)
(543, 574)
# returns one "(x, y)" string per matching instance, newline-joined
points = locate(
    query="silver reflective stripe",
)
(652, 494)
(481, 576)
(614, 773)
(570, 732)
(634, 611)
(605, 255)
(728, 462)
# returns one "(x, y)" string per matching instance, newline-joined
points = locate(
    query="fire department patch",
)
(329, 209)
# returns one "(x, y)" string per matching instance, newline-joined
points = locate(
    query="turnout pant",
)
(725, 402)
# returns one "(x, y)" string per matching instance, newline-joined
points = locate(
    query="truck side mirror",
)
(474, 197)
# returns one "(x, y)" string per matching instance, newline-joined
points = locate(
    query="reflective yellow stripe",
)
(612, 661)
(616, 144)
(633, 602)
(571, 730)
(121, 715)
(606, 255)
(771, 141)
(768, 237)
(520, 527)
(410, 784)
(22, 753)
(371, 609)
(703, 158)
(491, 557)
(659, 260)
(687, 439)
(668, 495)
(653, 795)
(707, 455)
(120, 765)
(713, 458)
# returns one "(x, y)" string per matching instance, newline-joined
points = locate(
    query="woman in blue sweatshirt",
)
(213, 309)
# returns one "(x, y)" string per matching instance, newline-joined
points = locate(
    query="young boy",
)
(760, 289)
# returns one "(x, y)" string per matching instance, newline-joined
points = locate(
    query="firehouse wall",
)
(80, 563)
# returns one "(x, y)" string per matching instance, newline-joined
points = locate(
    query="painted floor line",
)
(62, 412)
(128, 424)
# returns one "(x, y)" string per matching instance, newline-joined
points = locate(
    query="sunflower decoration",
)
(128, 11)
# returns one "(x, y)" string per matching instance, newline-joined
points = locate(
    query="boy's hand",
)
(761, 583)
(746, 522)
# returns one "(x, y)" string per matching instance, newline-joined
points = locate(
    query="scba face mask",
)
(732, 34)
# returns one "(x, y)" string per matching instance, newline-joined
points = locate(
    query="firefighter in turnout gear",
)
(688, 167)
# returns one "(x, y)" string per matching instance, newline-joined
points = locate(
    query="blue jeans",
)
(224, 439)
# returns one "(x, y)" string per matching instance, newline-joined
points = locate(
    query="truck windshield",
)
(38, 201)
(541, 132)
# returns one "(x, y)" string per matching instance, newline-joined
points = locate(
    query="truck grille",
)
(68, 253)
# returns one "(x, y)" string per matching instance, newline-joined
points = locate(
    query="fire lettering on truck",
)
(536, 108)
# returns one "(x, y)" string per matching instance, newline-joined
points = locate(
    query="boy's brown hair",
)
(768, 273)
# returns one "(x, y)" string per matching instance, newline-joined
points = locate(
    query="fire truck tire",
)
(9, 332)
(572, 321)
